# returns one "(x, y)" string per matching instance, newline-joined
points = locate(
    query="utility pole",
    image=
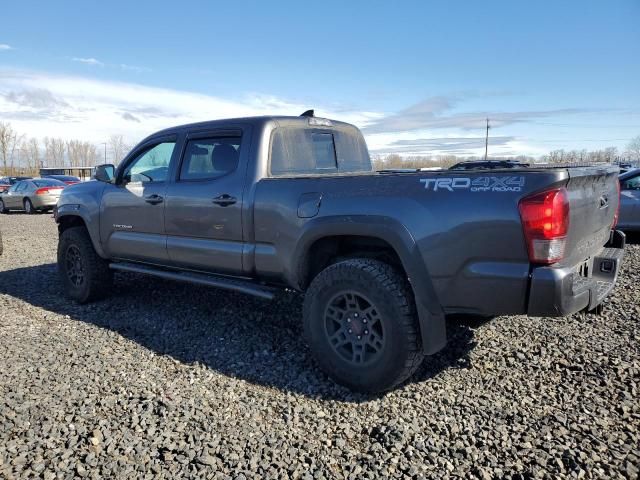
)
(105, 151)
(486, 141)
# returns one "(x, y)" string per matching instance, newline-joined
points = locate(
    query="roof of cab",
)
(254, 121)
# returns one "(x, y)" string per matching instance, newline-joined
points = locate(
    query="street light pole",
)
(486, 141)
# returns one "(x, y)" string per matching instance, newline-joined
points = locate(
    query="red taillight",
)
(70, 183)
(545, 219)
(47, 190)
(616, 216)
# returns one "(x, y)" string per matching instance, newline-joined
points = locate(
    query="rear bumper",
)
(44, 201)
(559, 291)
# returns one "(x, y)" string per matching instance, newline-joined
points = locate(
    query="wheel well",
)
(329, 250)
(69, 221)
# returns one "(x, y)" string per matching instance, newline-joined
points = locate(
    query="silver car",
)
(630, 200)
(36, 194)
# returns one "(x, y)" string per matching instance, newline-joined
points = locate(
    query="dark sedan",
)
(68, 179)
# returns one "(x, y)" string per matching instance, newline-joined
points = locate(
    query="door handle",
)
(153, 199)
(224, 200)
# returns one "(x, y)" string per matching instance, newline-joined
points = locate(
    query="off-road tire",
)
(391, 294)
(97, 277)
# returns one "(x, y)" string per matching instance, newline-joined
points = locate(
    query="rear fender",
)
(430, 313)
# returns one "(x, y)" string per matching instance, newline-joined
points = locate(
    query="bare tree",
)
(118, 148)
(9, 140)
(88, 154)
(81, 154)
(73, 153)
(633, 148)
(31, 155)
(54, 151)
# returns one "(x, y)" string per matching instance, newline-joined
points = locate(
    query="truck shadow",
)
(633, 238)
(239, 336)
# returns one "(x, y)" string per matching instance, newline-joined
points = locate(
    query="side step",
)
(199, 279)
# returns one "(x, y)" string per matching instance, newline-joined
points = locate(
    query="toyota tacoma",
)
(257, 204)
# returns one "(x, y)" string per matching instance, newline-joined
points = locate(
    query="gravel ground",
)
(168, 380)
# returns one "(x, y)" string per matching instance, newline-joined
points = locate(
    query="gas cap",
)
(309, 204)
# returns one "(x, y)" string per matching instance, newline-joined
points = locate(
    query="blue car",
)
(630, 201)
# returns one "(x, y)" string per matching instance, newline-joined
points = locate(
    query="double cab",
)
(259, 204)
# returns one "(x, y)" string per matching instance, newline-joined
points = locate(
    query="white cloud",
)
(43, 104)
(88, 61)
(4, 46)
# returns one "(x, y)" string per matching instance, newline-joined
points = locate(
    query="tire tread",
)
(392, 281)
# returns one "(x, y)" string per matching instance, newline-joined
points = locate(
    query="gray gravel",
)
(167, 380)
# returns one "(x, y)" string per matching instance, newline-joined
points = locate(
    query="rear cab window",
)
(305, 150)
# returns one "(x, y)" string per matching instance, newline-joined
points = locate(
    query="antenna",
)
(308, 113)
(486, 141)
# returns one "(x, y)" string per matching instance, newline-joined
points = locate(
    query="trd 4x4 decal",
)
(478, 184)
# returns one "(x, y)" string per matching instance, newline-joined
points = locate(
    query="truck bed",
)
(466, 225)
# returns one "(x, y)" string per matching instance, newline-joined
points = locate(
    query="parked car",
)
(68, 179)
(34, 195)
(6, 182)
(630, 200)
(257, 204)
(487, 164)
(625, 167)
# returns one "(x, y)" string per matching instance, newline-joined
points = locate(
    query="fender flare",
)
(80, 211)
(430, 313)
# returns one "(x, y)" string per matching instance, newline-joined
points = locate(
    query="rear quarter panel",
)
(468, 235)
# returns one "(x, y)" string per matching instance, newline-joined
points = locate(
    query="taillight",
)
(616, 216)
(545, 219)
(47, 190)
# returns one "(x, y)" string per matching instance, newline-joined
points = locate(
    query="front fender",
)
(430, 313)
(64, 212)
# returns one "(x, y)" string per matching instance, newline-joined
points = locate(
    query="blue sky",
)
(418, 77)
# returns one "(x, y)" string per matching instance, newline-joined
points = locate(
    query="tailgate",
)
(593, 203)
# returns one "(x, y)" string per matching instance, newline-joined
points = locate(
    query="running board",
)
(242, 286)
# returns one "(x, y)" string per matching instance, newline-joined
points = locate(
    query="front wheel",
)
(3, 208)
(84, 274)
(361, 326)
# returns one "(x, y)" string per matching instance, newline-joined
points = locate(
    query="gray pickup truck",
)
(257, 204)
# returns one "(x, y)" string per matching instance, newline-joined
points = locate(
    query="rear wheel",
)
(360, 322)
(28, 207)
(85, 275)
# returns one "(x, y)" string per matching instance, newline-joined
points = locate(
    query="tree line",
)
(22, 155)
(556, 157)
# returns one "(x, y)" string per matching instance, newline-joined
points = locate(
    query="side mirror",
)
(105, 173)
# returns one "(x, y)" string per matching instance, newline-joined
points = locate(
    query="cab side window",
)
(210, 158)
(150, 166)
